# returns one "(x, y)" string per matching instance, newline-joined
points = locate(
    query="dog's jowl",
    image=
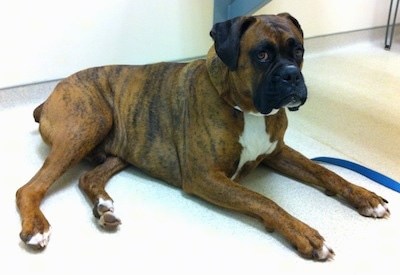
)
(201, 126)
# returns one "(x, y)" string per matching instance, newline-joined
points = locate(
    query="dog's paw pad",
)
(39, 240)
(108, 220)
(381, 211)
(324, 253)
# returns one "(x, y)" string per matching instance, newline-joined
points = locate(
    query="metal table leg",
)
(388, 44)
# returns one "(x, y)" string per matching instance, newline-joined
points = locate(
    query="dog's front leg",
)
(220, 190)
(294, 164)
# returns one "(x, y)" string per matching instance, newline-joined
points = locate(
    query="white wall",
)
(321, 17)
(50, 39)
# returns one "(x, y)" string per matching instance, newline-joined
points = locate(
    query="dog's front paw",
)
(380, 211)
(104, 211)
(310, 250)
(307, 241)
(324, 253)
(371, 205)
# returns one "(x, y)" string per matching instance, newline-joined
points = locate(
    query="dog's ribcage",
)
(254, 139)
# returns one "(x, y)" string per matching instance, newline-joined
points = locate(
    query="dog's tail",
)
(38, 112)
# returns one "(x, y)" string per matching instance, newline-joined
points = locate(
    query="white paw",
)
(40, 240)
(106, 216)
(323, 254)
(381, 211)
(104, 206)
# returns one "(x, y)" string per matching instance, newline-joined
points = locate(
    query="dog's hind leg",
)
(35, 227)
(93, 185)
(73, 128)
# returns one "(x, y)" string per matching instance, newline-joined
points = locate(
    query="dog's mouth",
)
(292, 102)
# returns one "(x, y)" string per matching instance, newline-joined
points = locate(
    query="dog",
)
(201, 126)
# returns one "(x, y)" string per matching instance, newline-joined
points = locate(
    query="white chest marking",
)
(254, 140)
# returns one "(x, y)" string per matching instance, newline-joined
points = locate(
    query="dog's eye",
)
(298, 53)
(262, 56)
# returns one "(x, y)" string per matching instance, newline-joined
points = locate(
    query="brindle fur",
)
(177, 122)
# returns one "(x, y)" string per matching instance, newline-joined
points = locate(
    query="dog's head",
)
(256, 63)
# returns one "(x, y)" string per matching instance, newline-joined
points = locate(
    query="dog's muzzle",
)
(293, 87)
(285, 89)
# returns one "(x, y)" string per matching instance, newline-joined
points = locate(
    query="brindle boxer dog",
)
(201, 126)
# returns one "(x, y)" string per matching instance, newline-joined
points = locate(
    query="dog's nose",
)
(291, 74)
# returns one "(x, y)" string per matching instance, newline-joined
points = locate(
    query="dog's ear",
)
(226, 36)
(293, 20)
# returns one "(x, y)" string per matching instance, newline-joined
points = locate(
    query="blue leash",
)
(371, 174)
